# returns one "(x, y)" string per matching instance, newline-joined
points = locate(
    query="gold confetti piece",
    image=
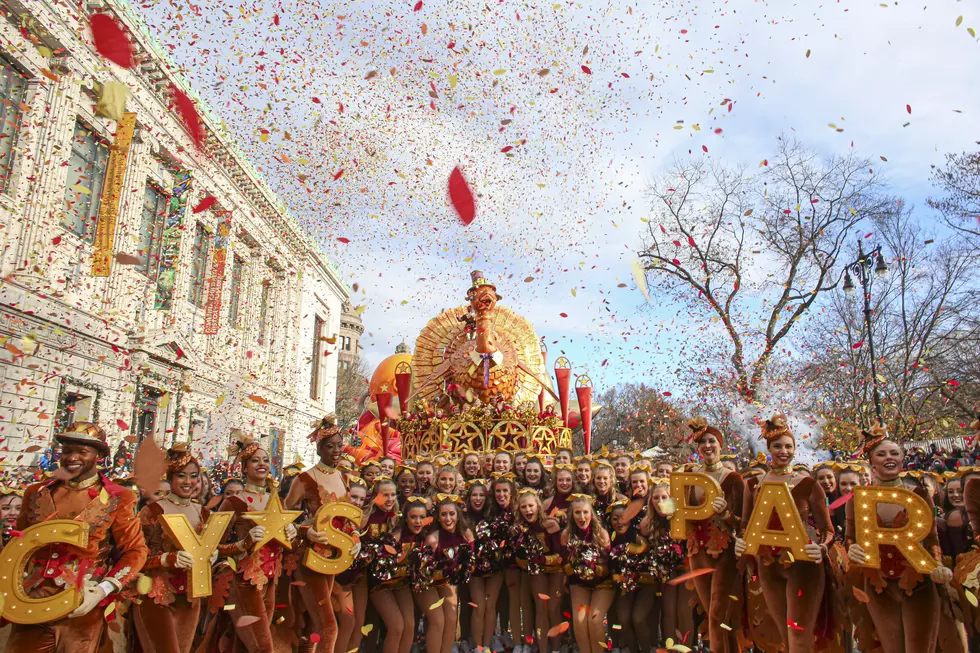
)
(970, 597)
(437, 604)
(725, 626)
(229, 606)
(366, 628)
(144, 584)
(109, 609)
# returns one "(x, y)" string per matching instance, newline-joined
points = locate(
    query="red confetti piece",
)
(461, 197)
(908, 107)
(418, 6)
(111, 41)
(122, 425)
(586, 70)
(16, 533)
(564, 314)
(338, 175)
(206, 203)
(792, 624)
(507, 149)
(56, 240)
(188, 115)
(718, 130)
(841, 501)
(704, 147)
(343, 240)
(315, 637)
(689, 575)
(857, 345)
(625, 75)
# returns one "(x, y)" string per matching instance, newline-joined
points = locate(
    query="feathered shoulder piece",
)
(871, 439)
(775, 427)
(325, 429)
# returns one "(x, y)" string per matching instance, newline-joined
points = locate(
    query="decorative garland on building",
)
(63, 411)
(142, 393)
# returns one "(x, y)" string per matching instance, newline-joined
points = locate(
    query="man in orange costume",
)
(111, 516)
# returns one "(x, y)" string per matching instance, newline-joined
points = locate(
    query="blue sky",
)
(364, 88)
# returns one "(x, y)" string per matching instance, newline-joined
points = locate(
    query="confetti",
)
(110, 40)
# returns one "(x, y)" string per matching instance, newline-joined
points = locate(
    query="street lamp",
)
(861, 268)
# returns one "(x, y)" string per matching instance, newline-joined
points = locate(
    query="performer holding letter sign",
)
(83, 495)
(891, 535)
(711, 538)
(166, 619)
(788, 534)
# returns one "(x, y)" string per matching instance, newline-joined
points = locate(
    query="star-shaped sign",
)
(275, 520)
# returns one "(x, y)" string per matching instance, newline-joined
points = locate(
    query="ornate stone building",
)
(351, 330)
(124, 298)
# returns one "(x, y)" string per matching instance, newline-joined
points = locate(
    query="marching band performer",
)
(84, 494)
(166, 619)
(478, 513)
(585, 546)
(443, 565)
(904, 605)
(793, 589)
(709, 540)
(537, 551)
(604, 490)
(388, 575)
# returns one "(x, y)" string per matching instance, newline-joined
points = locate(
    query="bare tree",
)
(926, 331)
(959, 180)
(750, 250)
(352, 387)
(635, 416)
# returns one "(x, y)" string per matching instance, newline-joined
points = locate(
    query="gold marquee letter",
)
(341, 541)
(680, 489)
(20, 608)
(906, 539)
(183, 534)
(776, 498)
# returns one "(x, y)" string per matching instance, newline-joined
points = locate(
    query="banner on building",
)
(170, 241)
(105, 229)
(216, 282)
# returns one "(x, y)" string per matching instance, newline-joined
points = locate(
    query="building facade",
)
(124, 298)
(351, 330)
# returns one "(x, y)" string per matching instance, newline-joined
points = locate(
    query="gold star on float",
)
(274, 519)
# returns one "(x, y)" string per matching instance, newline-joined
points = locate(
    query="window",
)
(86, 177)
(77, 408)
(264, 310)
(237, 271)
(13, 88)
(199, 262)
(317, 355)
(151, 229)
(149, 407)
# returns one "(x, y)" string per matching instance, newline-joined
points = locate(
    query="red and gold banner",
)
(216, 282)
(583, 390)
(384, 406)
(403, 383)
(563, 374)
(105, 228)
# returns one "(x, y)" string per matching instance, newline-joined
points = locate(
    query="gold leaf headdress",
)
(776, 427)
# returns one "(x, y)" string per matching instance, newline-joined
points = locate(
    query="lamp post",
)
(861, 268)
